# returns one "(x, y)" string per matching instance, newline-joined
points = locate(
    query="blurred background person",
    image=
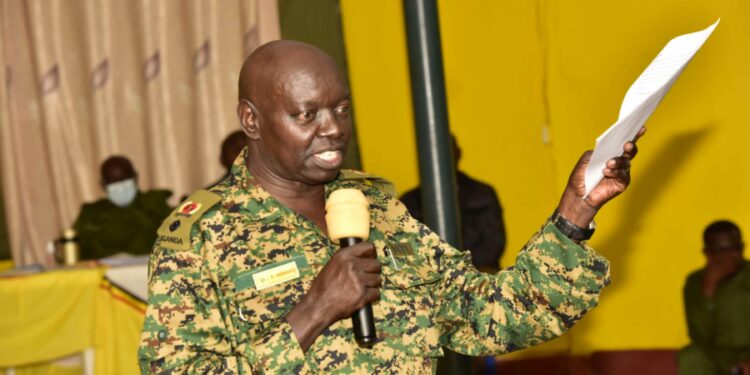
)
(126, 220)
(230, 148)
(482, 225)
(717, 306)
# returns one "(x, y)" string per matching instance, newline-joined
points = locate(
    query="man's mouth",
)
(329, 159)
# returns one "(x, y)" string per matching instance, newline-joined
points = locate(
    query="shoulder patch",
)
(174, 232)
(370, 179)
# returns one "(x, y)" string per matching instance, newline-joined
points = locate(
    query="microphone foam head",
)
(347, 214)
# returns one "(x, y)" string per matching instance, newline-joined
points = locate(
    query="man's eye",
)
(306, 116)
(343, 110)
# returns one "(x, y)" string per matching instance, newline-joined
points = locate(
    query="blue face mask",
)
(122, 193)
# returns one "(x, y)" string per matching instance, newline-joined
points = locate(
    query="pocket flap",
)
(411, 272)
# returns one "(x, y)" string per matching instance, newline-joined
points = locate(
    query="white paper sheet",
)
(642, 98)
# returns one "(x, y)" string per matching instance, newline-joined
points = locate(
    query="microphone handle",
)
(362, 319)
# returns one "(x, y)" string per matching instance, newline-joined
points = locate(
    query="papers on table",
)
(642, 98)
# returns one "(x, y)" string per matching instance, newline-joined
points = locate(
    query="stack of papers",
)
(642, 98)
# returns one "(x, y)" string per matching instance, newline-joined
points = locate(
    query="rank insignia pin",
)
(189, 208)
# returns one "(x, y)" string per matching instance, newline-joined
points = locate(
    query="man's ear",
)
(248, 115)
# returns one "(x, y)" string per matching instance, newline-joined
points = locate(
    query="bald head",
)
(116, 168)
(294, 109)
(264, 69)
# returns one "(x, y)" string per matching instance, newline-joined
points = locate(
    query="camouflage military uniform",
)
(208, 312)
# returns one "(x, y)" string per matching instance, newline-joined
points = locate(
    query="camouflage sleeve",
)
(553, 283)
(189, 327)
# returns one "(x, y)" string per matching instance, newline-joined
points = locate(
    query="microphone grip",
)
(362, 319)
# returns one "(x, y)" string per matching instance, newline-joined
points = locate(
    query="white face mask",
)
(122, 193)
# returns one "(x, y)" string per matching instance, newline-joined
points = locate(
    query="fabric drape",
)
(81, 80)
(53, 315)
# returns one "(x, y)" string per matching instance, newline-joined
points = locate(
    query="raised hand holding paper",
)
(642, 98)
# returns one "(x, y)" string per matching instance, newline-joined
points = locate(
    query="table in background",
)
(55, 314)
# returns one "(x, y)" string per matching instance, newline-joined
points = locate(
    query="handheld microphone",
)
(348, 221)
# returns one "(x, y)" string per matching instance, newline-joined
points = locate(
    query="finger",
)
(580, 166)
(368, 265)
(640, 133)
(363, 250)
(371, 280)
(630, 150)
(617, 174)
(621, 163)
(584, 160)
(618, 168)
(372, 295)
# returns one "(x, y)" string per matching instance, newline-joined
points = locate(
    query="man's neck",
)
(306, 200)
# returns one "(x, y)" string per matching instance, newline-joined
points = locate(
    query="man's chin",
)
(322, 176)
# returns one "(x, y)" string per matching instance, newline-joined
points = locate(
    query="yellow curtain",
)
(82, 80)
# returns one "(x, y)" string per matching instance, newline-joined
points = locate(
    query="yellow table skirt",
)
(51, 315)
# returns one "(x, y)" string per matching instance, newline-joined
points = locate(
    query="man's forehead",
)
(724, 236)
(312, 80)
(297, 84)
(275, 64)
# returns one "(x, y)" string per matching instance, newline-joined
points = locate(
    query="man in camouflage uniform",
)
(244, 278)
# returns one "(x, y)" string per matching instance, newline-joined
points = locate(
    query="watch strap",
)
(571, 230)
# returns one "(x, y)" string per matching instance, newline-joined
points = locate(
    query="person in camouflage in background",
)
(244, 279)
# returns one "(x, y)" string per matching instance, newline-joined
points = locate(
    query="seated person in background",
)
(717, 306)
(230, 149)
(126, 220)
(482, 226)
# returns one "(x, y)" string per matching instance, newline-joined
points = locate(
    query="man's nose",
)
(330, 125)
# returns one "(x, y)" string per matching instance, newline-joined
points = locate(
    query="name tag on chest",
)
(272, 274)
(276, 275)
(401, 249)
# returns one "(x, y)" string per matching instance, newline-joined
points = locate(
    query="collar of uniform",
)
(251, 197)
(239, 171)
(265, 208)
(258, 201)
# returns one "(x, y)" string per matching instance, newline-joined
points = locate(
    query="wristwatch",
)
(570, 230)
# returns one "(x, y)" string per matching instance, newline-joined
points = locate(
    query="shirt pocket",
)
(259, 305)
(407, 304)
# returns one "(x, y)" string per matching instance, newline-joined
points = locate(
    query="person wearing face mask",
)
(125, 221)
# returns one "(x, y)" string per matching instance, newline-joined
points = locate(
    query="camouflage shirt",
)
(230, 263)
